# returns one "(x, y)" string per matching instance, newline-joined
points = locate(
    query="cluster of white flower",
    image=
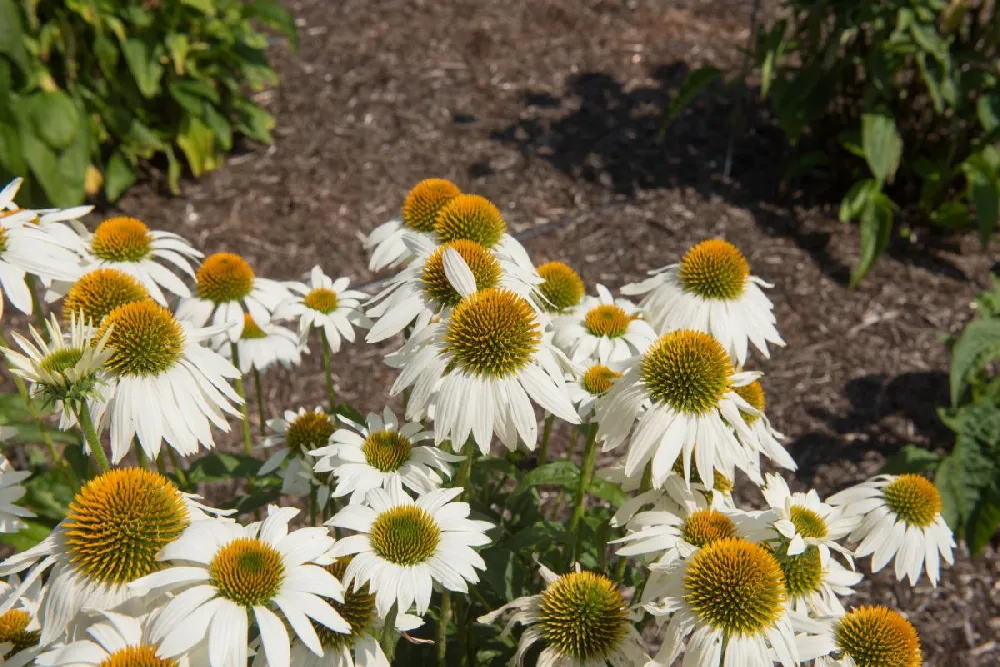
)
(142, 574)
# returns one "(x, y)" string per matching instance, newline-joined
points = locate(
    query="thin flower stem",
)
(543, 449)
(43, 432)
(312, 504)
(586, 476)
(182, 477)
(260, 399)
(36, 305)
(247, 444)
(93, 439)
(464, 476)
(442, 630)
(331, 394)
(390, 636)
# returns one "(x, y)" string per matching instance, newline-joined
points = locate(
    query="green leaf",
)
(193, 95)
(605, 490)
(561, 473)
(982, 525)
(876, 227)
(206, 7)
(882, 145)
(254, 501)
(772, 48)
(219, 126)
(32, 533)
(12, 35)
(173, 170)
(119, 176)
(911, 459)
(274, 15)
(856, 198)
(983, 189)
(218, 466)
(539, 537)
(144, 63)
(198, 144)
(54, 118)
(988, 110)
(254, 122)
(978, 346)
(694, 83)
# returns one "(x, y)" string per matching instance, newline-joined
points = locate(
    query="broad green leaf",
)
(505, 574)
(54, 118)
(977, 346)
(927, 37)
(605, 490)
(982, 185)
(254, 501)
(856, 199)
(254, 122)
(274, 15)
(177, 48)
(951, 215)
(192, 95)
(988, 110)
(119, 176)
(12, 34)
(561, 473)
(144, 63)
(218, 466)
(219, 126)
(198, 144)
(882, 145)
(876, 227)
(693, 84)
(911, 459)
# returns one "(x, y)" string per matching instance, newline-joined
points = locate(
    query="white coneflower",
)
(223, 574)
(262, 345)
(226, 289)
(902, 520)
(381, 453)
(868, 636)
(403, 546)
(727, 608)
(806, 521)
(19, 627)
(484, 362)
(582, 620)
(475, 218)
(166, 386)
(326, 305)
(294, 437)
(711, 290)
(587, 387)
(766, 440)
(603, 330)
(681, 392)
(814, 585)
(43, 217)
(420, 208)
(11, 490)
(561, 288)
(96, 293)
(127, 244)
(26, 248)
(113, 530)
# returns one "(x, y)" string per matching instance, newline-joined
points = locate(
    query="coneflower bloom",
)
(603, 330)
(324, 304)
(864, 637)
(804, 520)
(96, 293)
(420, 208)
(26, 248)
(262, 345)
(561, 289)
(587, 386)
(292, 439)
(711, 290)
(19, 627)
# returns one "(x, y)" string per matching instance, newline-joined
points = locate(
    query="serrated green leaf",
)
(911, 459)
(561, 473)
(982, 525)
(977, 346)
(876, 227)
(983, 189)
(882, 145)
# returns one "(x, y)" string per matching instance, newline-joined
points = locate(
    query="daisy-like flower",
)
(381, 453)
(814, 585)
(902, 520)
(227, 289)
(262, 345)
(119, 640)
(165, 384)
(484, 362)
(65, 370)
(682, 391)
(561, 288)
(98, 292)
(476, 218)
(128, 245)
(766, 440)
(420, 209)
(293, 438)
(806, 521)
(866, 636)
(26, 248)
(580, 617)
(222, 574)
(113, 530)
(11, 490)
(326, 305)
(587, 387)
(711, 290)
(402, 547)
(727, 607)
(603, 329)
(45, 217)
(19, 627)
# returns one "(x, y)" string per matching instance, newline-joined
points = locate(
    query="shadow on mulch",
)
(616, 137)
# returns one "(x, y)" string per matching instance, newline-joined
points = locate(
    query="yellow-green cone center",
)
(386, 450)
(121, 240)
(562, 287)
(322, 300)
(583, 616)
(483, 264)
(405, 535)
(308, 432)
(145, 339)
(493, 333)
(687, 370)
(878, 637)
(251, 330)
(715, 270)
(358, 609)
(914, 499)
(753, 394)
(722, 484)
(421, 206)
(247, 571)
(607, 321)
(735, 586)
(119, 521)
(597, 380)
(224, 277)
(99, 292)
(803, 572)
(808, 523)
(142, 655)
(14, 630)
(470, 217)
(62, 360)
(703, 527)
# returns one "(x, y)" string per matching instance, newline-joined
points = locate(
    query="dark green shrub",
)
(91, 88)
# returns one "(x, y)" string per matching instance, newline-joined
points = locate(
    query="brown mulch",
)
(551, 109)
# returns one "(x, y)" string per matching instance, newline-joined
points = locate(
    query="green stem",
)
(182, 477)
(247, 444)
(390, 636)
(93, 440)
(586, 476)
(464, 476)
(442, 630)
(543, 450)
(312, 504)
(260, 399)
(36, 305)
(331, 394)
